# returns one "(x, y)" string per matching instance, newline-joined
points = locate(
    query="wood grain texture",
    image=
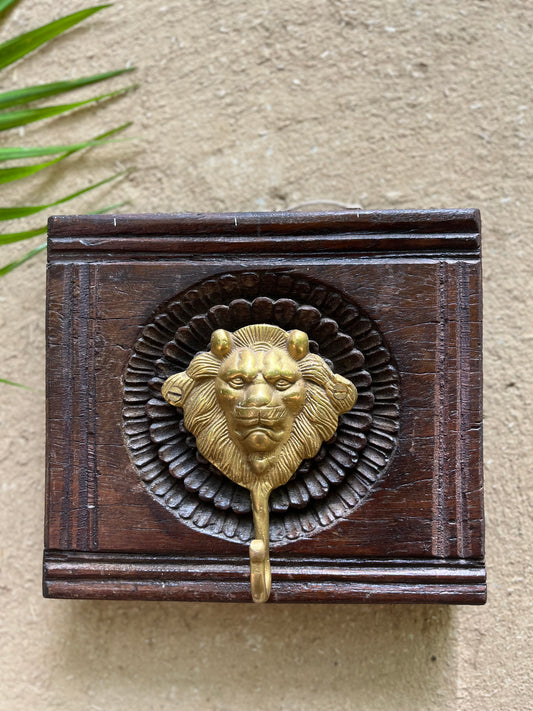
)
(267, 233)
(130, 577)
(444, 224)
(416, 275)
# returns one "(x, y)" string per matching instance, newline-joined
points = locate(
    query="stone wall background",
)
(259, 106)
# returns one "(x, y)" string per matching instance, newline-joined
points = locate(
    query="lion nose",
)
(257, 395)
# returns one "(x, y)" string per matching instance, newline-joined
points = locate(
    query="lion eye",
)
(283, 384)
(237, 382)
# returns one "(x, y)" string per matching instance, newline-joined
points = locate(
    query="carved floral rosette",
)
(324, 489)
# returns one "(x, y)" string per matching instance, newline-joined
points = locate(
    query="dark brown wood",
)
(402, 522)
(126, 577)
(267, 233)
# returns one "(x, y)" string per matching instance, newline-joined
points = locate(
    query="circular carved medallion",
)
(323, 489)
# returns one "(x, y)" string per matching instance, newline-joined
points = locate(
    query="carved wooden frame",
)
(416, 536)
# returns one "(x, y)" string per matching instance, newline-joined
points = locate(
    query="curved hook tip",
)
(260, 579)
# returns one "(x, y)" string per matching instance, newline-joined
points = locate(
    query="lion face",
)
(259, 403)
(260, 393)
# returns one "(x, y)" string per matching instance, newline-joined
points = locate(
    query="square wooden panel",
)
(391, 511)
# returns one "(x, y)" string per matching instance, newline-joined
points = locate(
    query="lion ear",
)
(342, 393)
(221, 343)
(298, 344)
(175, 389)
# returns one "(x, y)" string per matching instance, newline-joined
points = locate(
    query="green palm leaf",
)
(7, 175)
(28, 234)
(19, 153)
(23, 171)
(17, 385)
(12, 119)
(4, 4)
(19, 236)
(10, 52)
(13, 265)
(16, 97)
(19, 46)
(14, 213)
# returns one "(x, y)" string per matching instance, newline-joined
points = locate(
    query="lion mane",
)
(327, 395)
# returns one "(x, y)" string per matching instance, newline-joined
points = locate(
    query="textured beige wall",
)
(262, 105)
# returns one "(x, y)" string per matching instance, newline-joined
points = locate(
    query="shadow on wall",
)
(216, 656)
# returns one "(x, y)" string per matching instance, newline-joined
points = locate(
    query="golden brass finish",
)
(258, 404)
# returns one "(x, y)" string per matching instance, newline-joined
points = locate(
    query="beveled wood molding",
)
(321, 580)
(267, 233)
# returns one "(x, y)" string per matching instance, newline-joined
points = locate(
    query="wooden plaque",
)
(389, 510)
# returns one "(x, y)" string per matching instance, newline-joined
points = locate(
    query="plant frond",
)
(20, 153)
(23, 171)
(14, 213)
(16, 385)
(16, 97)
(19, 236)
(12, 119)
(29, 255)
(4, 4)
(23, 44)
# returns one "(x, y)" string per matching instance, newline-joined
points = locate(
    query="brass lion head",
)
(259, 403)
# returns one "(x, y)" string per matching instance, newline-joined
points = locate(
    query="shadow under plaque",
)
(388, 509)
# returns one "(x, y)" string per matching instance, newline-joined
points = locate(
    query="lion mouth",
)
(256, 432)
(259, 415)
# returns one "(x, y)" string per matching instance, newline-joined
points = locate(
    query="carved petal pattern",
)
(328, 487)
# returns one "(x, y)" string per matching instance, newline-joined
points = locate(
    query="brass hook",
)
(260, 577)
